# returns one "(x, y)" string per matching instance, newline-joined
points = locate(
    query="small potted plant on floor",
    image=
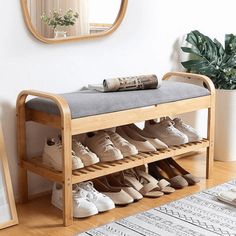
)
(59, 21)
(209, 57)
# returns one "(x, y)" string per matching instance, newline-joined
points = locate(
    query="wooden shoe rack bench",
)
(70, 126)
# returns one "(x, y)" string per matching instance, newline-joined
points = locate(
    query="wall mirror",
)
(54, 21)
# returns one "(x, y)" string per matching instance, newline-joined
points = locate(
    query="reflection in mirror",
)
(58, 19)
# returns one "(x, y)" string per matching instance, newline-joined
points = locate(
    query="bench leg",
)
(22, 155)
(210, 136)
(67, 175)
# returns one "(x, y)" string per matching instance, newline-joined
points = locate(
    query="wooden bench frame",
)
(71, 127)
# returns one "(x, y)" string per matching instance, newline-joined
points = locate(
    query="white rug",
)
(201, 214)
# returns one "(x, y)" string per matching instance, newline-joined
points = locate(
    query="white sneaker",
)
(166, 132)
(87, 157)
(140, 143)
(101, 144)
(52, 155)
(158, 144)
(101, 201)
(126, 148)
(82, 207)
(192, 134)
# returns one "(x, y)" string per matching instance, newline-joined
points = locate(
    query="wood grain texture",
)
(39, 218)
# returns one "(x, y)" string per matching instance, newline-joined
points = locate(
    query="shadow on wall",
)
(176, 58)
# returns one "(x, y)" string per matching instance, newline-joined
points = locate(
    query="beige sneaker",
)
(192, 134)
(140, 143)
(87, 157)
(158, 144)
(166, 132)
(101, 144)
(52, 155)
(126, 148)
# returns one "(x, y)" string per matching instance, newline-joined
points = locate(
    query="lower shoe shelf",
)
(94, 171)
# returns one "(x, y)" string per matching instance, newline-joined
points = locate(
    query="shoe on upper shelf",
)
(101, 144)
(118, 195)
(166, 132)
(192, 134)
(158, 144)
(87, 157)
(82, 207)
(52, 155)
(140, 143)
(101, 201)
(126, 148)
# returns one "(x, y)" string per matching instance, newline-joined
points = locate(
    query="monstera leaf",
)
(212, 59)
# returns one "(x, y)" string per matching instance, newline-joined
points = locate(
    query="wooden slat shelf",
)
(94, 171)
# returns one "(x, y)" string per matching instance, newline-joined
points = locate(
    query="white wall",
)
(146, 42)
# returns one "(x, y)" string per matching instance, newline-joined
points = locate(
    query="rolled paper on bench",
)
(131, 83)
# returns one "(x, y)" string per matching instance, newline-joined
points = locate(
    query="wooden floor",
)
(38, 217)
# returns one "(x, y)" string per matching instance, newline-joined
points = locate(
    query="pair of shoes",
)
(118, 194)
(175, 174)
(81, 156)
(87, 201)
(109, 146)
(172, 132)
(140, 182)
(52, 155)
(228, 196)
(140, 139)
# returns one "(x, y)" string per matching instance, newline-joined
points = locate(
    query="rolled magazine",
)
(127, 83)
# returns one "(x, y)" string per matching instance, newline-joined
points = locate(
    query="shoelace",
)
(117, 138)
(106, 142)
(80, 193)
(91, 191)
(82, 148)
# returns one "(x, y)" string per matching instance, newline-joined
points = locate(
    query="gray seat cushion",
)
(88, 103)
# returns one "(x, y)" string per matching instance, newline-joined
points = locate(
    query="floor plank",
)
(38, 217)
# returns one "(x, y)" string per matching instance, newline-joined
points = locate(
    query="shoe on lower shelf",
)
(101, 201)
(140, 143)
(101, 144)
(126, 148)
(158, 144)
(88, 158)
(81, 206)
(52, 155)
(166, 132)
(117, 180)
(118, 196)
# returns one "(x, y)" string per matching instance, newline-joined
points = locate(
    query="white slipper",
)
(228, 196)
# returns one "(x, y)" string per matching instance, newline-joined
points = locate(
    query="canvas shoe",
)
(140, 143)
(52, 155)
(101, 201)
(87, 157)
(166, 132)
(192, 134)
(158, 144)
(101, 144)
(126, 148)
(82, 207)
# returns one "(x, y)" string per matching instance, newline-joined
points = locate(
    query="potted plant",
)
(209, 57)
(59, 21)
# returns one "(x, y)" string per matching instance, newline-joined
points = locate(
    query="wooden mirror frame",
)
(31, 28)
(8, 185)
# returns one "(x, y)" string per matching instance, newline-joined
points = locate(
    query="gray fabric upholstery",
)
(88, 103)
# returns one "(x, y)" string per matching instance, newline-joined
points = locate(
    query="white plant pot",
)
(225, 129)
